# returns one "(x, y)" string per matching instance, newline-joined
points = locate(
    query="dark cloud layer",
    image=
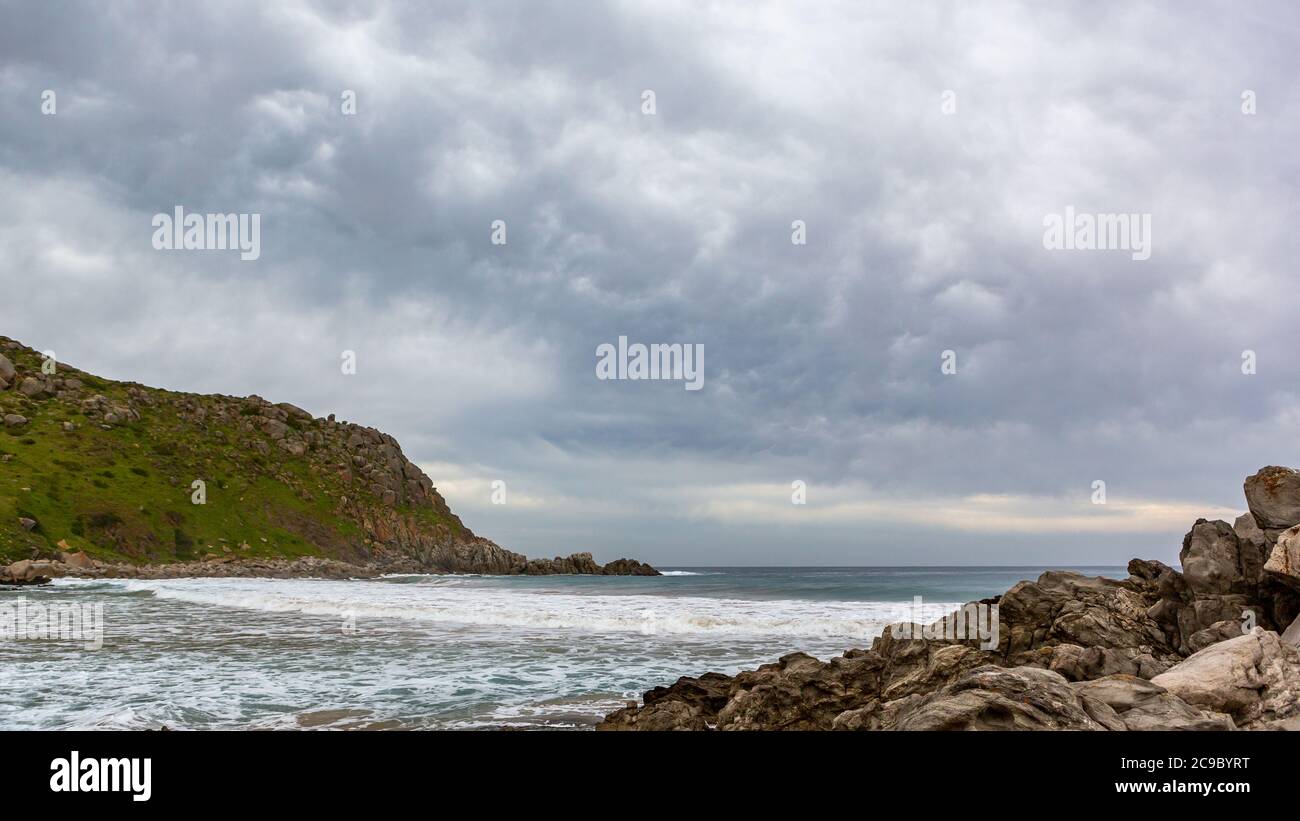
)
(822, 360)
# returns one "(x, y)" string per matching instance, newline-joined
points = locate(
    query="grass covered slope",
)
(109, 468)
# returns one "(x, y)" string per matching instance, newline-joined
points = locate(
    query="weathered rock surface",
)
(1283, 563)
(1000, 698)
(1144, 705)
(1254, 678)
(1215, 560)
(1273, 495)
(628, 567)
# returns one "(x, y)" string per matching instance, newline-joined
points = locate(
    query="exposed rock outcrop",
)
(1196, 649)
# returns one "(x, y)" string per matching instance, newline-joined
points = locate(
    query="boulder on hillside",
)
(76, 559)
(32, 388)
(7, 372)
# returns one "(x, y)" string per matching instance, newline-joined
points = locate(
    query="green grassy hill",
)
(108, 468)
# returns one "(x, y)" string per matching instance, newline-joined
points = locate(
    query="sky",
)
(948, 388)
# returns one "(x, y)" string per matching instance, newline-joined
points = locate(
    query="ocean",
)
(440, 652)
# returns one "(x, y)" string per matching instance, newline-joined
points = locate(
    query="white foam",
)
(540, 609)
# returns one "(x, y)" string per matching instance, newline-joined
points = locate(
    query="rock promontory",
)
(134, 480)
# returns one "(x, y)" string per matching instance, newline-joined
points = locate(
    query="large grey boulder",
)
(32, 388)
(1273, 495)
(1254, 678)
(7, 372)
(1215, 560)
(28, 572)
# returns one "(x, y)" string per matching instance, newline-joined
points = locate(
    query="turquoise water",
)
(459, 652)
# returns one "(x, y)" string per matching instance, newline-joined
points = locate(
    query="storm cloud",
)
(922, 146)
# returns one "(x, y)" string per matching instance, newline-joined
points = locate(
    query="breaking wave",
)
(540, 610)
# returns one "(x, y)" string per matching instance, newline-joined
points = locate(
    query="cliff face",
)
(129, 474)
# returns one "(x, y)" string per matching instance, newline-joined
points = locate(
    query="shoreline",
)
(81, 566)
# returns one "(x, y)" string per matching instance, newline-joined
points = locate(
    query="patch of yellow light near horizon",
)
(980, 513)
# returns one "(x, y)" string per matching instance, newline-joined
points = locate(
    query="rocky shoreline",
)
(79, 565)
(1215, 646)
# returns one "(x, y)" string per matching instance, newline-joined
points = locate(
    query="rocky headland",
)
(1213, 646)
(100, 478)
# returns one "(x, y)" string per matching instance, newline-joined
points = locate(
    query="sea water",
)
(442, 652)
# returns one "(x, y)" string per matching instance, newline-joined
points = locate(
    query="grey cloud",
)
(822, 360)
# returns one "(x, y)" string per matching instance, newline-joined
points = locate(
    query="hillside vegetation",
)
(110, 469)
